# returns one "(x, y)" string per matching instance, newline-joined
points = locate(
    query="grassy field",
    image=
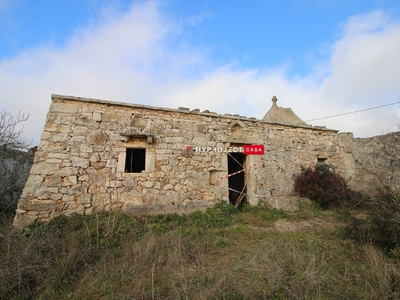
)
(225, 253)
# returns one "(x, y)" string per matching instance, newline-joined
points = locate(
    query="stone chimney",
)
(274, 99)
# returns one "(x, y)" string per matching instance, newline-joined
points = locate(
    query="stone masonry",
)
(88, 147)
(371, 163)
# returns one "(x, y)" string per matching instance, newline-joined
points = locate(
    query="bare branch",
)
(10, 137)
(15, 159)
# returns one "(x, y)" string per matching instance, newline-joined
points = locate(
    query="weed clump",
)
(385, 219)
(381, 226)
(323, 185)
(378, 220)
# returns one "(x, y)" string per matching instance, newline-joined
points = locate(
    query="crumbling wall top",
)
(276, 115)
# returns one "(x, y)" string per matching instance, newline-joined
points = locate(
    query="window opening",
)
(321, 160)
(135, 160)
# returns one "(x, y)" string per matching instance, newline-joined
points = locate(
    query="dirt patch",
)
(284, 225)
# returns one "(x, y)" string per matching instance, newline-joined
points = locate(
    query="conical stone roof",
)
(282, 115)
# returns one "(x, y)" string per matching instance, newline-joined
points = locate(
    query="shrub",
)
(322, 185)
(381, 226)
(385, 219)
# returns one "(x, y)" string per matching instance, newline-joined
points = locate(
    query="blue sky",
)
(319, 57)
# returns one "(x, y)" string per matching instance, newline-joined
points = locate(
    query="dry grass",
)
(222, 254)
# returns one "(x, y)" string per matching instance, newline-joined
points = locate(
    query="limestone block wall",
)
(371, 162)
(80, 164)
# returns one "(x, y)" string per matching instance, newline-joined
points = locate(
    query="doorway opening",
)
(236, 184)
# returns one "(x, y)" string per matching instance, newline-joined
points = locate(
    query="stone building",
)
(105, 155)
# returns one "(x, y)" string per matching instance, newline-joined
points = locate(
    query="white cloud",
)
(115, 60)
(365, 67)
(137, 57)
(363, 70)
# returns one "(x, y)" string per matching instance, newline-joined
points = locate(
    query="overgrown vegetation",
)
(380, 224)
(15, 161)
(385, 218)
(224, 253)
(322, 185)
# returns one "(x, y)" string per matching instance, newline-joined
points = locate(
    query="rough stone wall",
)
(79, 164)
(372, 162)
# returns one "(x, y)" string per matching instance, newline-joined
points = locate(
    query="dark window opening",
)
(135, 160)
(321, 160)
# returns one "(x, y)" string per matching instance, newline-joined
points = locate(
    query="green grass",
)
(223, 253)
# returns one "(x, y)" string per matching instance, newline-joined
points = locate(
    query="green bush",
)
(220, 215)
(385, 218)
(322, 185)
(381, 224)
